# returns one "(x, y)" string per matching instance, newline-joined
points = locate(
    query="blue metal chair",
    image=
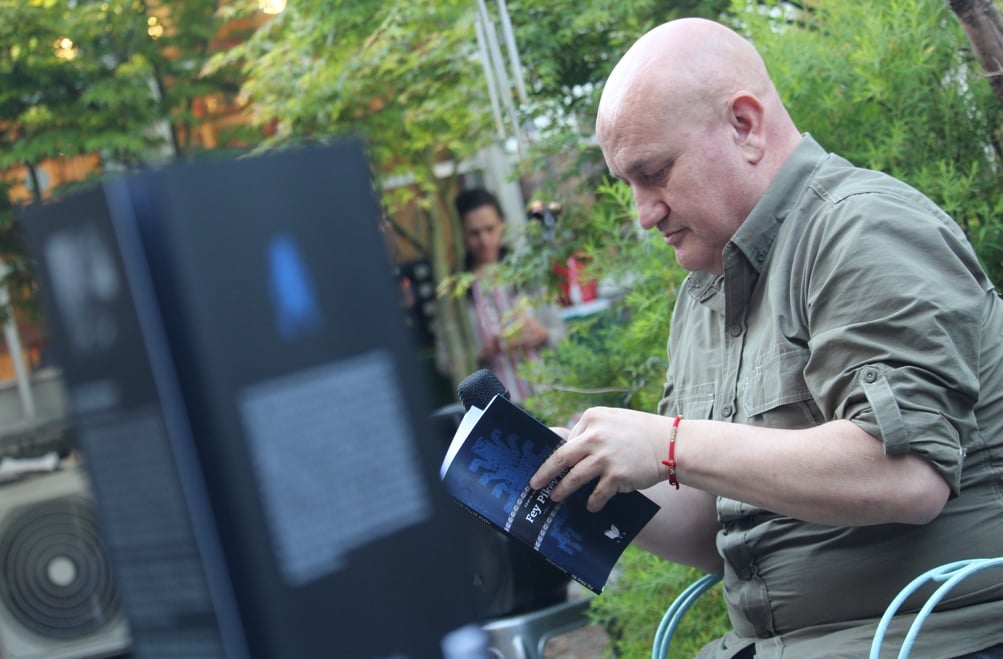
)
(950, 574)
(674, 615)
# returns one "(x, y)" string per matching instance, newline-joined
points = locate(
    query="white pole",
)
(494, 159)
(489, 75)
(13, 339)
(498, 62)
(513, 51)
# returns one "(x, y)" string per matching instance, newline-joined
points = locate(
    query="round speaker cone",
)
(57, 578)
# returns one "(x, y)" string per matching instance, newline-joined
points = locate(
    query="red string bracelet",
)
(671, 462)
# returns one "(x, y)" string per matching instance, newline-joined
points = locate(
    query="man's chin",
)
(692, 263)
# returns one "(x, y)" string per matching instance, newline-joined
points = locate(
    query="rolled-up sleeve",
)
(894, 349)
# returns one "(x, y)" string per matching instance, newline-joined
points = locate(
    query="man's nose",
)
(650, 209)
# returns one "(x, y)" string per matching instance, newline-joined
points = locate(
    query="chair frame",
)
(674, 615)
(951, 574)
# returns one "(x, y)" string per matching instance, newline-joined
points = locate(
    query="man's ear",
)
(746, 115)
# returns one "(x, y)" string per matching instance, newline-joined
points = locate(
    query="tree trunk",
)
(36, 184)
(983, 24)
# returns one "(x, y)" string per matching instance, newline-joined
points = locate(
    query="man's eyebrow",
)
(637, 167)
(630, 171)
(632, 168)
(662, 162)
(641, 166)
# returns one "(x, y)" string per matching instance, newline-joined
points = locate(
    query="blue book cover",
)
(487, 469)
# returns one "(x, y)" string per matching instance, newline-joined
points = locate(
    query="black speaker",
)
(57, 592)
(508, 577)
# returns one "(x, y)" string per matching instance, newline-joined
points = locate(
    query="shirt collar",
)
(759, 231)
(746, 253)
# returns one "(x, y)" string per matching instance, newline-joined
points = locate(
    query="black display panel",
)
(247, 400)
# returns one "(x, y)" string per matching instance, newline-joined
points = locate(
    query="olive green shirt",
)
(848, 295)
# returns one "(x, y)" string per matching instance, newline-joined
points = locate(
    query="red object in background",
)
(574, 288)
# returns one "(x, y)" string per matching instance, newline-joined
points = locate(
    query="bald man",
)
(832, 420)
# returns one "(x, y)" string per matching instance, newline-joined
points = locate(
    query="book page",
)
(467, 424)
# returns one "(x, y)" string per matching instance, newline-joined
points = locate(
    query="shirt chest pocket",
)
(693, 402)
(774, 392)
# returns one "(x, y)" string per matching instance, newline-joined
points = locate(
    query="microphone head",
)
(478, 388)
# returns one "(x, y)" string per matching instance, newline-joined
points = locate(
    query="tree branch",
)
(983, 24)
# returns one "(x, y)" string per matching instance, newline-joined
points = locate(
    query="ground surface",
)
(590, 642)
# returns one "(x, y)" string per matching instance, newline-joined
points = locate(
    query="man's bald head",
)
(690, 119)
(688, 68)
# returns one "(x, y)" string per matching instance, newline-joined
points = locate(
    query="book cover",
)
(487, 469)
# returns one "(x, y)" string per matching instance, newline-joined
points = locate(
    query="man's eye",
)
(658, 176)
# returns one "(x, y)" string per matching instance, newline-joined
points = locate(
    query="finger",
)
(550, 469)
(558, 461)
(561, 432)
(582, 473)
(598, 468)
(596, 502)
(564, 458)
(604, 490)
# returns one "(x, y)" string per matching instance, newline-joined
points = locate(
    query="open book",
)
(487, 468)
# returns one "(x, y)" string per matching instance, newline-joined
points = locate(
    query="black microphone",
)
(478, 388)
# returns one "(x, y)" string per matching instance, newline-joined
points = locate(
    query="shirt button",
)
(726, 410)
(870, 375)
(736, 330)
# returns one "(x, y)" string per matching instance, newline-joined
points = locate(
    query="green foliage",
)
(404, 75)
(105, 93)
(636, 599)
(618, 357)
(893, 86)
(86, 77)
(567, 49)
(16, 276)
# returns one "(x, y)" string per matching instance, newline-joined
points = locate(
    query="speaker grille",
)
(57, 578)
